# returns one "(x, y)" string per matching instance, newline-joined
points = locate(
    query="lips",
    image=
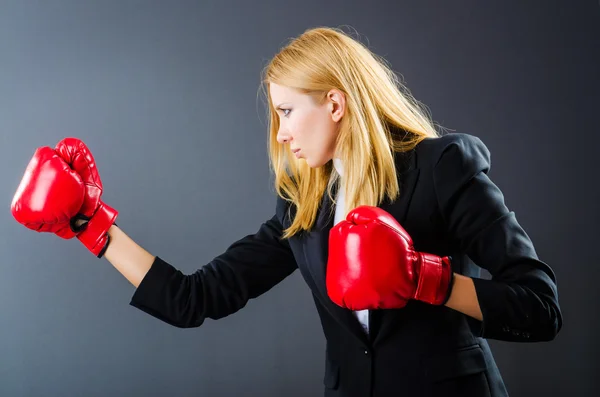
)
(295, 151)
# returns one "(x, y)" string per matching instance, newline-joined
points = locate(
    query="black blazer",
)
(450, 207)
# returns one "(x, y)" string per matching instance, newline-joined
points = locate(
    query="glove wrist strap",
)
(94, 235)
(435, 279)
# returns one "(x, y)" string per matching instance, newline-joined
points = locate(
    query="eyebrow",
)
(281, 104)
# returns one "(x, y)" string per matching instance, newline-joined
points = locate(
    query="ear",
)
(336, 104)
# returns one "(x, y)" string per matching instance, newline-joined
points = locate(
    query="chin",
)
(315, 163)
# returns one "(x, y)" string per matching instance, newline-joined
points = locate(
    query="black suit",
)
(450, 207)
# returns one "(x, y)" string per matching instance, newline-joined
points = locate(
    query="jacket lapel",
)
(316, 247)
(316, 242)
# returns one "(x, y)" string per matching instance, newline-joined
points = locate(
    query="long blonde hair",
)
(381, 117)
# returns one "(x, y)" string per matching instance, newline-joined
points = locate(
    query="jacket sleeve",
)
(248, 268)
(520, 302)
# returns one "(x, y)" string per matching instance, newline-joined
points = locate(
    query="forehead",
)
(280, 93)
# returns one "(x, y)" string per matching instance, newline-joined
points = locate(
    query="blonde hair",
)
(381, 117)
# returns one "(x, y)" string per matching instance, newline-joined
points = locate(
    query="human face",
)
(309, 128)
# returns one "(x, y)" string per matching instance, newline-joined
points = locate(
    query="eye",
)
(284, 112)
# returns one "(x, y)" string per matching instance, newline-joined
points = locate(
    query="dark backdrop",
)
(165, 95)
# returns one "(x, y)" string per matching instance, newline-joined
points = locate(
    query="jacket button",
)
(366, 352)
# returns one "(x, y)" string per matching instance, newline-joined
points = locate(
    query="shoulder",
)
(453, 150)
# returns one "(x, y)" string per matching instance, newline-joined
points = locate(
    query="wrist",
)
(449, 289)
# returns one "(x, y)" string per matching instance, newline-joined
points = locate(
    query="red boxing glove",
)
(60, 187)
(49, 196)
(99, 216)
(372, 264)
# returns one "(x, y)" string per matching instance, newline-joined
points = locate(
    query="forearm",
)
(463, 297)
(513, 312)
(131, 260)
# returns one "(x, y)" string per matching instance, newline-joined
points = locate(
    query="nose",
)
(283, 136)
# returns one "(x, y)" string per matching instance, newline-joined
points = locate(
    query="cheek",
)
(300, 129)
(327, 134)
(313, 130)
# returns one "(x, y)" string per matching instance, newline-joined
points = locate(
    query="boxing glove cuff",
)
(435, 279)
(94, 235)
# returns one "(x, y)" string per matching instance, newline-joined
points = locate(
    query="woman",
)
(388, 221)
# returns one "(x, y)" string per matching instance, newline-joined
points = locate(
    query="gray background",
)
(165, 95)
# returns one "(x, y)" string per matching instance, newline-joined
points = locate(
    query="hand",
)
(372, 264)
(61, 187)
